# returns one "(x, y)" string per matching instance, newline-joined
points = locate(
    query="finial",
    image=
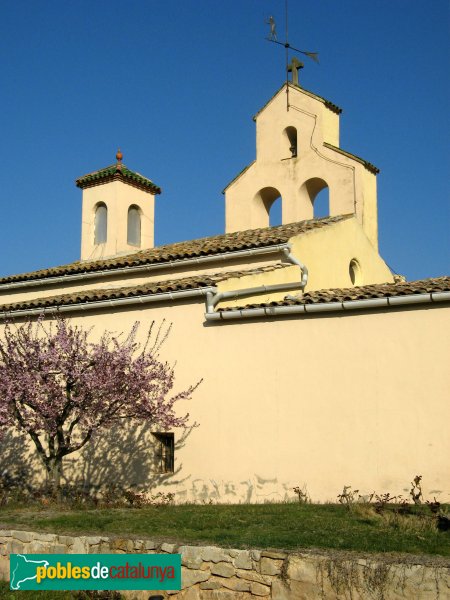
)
(119, 156)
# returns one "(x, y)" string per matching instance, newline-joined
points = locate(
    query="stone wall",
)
(212, 573)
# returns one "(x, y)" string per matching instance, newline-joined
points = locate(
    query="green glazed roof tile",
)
(118, 172)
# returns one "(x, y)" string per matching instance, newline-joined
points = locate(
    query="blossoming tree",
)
(61, 389)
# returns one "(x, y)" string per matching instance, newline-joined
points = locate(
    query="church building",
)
(320, 367)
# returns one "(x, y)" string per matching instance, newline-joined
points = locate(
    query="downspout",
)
(212, 300)
(303, 268)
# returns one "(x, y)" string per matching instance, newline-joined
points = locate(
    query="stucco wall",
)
(118, 197)
(212, 573)
(320, 401)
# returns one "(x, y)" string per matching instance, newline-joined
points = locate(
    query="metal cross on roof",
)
(294, 68)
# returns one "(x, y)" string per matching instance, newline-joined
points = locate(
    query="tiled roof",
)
(228, 242)
(119, 172)
(159, 287)
(368, 165)
(363, 292)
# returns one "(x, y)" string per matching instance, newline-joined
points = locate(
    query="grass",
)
(7, 594)
(284, 526)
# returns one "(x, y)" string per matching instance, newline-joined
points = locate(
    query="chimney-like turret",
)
(118, 214)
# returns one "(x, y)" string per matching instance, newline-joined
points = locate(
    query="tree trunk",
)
(54, 475)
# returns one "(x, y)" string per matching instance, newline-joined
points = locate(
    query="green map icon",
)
(24, 569)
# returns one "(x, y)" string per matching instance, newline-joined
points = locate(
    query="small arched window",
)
(134, 226)
(101, 224)
(290, 134)
(354, 270)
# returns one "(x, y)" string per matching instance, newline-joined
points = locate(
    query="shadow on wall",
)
(126, 457)
(122, 457)
(255, 489)
(20, 467)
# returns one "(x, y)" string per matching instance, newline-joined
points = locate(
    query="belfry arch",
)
(298, 153)
(309, 191)
(264, 200)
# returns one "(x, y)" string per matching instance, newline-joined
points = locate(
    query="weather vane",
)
(295, 64)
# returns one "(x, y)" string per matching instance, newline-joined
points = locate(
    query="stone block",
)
(258, 589)
(119, 544)
(303, 568)
(190, 577)
(138, 546)
(78, 546)
(280, 591)
(168, 548)
(45, 537)
(256, 555)
(270, 566)
(213, 583)
(38, 548)
(253, 576)
(5, 533)
(243, 560)
(16, 547)
(93, 540)
(59, 549)
(223, 569)
(276, 555)
(23, 536)
(65, 539)
(190, 594)
(215, 555)
(191, 556)
(235, 584)
(149, 545)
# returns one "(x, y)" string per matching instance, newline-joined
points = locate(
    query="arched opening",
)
(317, 191)
(101, 224)
(322, 204)
(290, 135)
(271, 201)
(134, 226)
(275, 216)
(354, 270)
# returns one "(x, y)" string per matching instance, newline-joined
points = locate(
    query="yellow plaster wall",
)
(327, 254)
(321, 401)
(118, 197)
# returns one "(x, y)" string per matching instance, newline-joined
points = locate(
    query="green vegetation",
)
(288, 526)
(7, 594)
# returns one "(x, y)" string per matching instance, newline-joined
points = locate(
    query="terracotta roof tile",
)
(228, 242)
(158, 287)
(364, 292)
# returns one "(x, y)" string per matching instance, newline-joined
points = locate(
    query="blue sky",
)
(175, 84)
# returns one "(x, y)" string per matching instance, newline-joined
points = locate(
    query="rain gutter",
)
(349, 305)
(171, 264)
(112, 303)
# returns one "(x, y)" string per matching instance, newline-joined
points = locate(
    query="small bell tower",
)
(297, 155)
(118, 213)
